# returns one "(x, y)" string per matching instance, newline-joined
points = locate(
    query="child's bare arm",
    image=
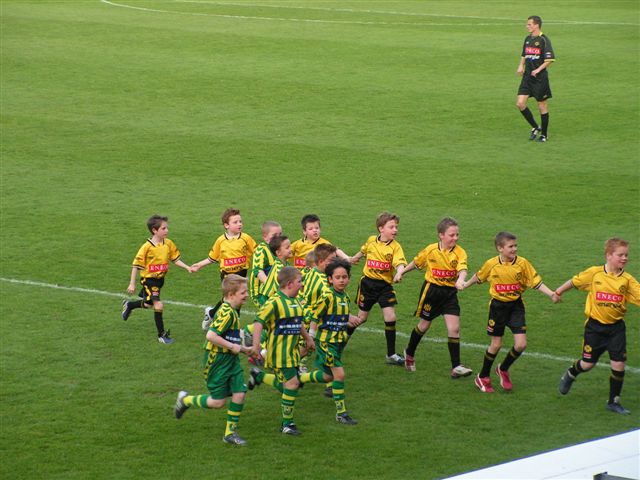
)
(400, 273)
(132, 283)
(202, 263)
(474, 279)
(462, 276)
(568, 285)
(181, 264)
(555, 298)
(216, 339)
(356, 258)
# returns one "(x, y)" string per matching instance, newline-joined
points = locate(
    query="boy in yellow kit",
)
(232, 251)
(445, 267)
(610, 288)
(152, 260)
(384, 256)
(310, 240)
(509, 276)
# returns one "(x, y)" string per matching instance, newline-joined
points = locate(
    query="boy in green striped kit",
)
(281, 317)
(330, 318)
(223, 372)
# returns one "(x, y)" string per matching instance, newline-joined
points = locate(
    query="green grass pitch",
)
(114, 110)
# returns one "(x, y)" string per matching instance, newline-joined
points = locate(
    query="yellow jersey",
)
(232, 253)
(440, 266)
(382, 258)
(509, 280)
(153, 260)
(300, 249)
(608, 293)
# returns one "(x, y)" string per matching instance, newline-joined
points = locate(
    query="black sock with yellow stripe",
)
(615, 384)
(390, 335)
(414, 340)
(487, 363)
(511, 357)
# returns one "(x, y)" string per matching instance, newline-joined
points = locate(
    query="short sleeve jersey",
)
(440, 266)
(226, 324)
(536, 51)
(332, 315)
(300, 249)
(270, 287)
(382, 258)
(262, 259)
(153, 260)
(509, 280)
(281, 317)
(232, 253)
(315, 287)
(608, 293)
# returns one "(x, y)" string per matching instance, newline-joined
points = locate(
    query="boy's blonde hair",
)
(504, 237)
(268, 225)
(612, 243)
(232, 283)
(310, 259)
(323, 251)
(228, 213)
(445, 223)
(385, 217)
(287, 275)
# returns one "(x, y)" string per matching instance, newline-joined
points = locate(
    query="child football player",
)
(384, 255)
(509, 276)
(610, 288)
(152, 261)
(310, 240)
(445, 266)
(222, 369)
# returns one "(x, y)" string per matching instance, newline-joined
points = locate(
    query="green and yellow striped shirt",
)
(281, 317)
(332, 315)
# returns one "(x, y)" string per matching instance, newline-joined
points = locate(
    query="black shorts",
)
(599, 337)
(150, 291)
(506, 314)
(242, 273)
(371, 291)
(536, 87)
(437, 300)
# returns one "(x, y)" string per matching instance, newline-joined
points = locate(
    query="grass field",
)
(113, 111)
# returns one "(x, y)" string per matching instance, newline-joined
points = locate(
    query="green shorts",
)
(283, 375)
(224, 376)
(328, 355)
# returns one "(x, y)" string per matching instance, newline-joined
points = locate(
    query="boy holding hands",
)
(445, 266)
(509, 276)
(262, 259)
(223, 372)
(152, 260)
(610, 288)
(281, 317)
(384, 256)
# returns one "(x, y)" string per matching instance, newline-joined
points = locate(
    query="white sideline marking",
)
(476, 346)
(352, 22)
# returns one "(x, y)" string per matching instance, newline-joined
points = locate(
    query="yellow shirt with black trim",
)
(227, 325)
(509, 280)
(262, 259)
(332, 315)
(300, 249)
(232, 253)
(153, 260)
(281, 317)
(608, 293)
(382, 258)
(441, 266)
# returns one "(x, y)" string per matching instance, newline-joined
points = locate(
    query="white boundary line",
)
(476, 346)
(351, 22)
